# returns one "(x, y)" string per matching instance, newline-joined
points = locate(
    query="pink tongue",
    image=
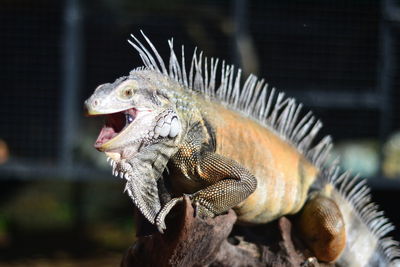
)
(106, 133)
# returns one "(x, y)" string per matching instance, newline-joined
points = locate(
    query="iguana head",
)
(137, 114)
(141, 131)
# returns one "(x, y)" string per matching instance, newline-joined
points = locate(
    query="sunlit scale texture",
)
(245, 146)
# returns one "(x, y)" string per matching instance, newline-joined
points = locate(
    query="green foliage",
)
(40, 206)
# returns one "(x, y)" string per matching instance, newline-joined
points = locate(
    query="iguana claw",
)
(160, 219)
(202, 211)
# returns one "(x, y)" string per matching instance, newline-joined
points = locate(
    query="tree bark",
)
(193, 241)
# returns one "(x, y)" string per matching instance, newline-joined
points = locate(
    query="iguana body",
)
(235, 147)
(264, 155)
(280, 190)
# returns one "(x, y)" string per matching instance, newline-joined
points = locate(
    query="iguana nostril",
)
(95, 103)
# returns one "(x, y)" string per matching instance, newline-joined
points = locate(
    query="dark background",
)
(58, 201)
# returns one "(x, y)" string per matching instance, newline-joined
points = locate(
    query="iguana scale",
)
(233, 145)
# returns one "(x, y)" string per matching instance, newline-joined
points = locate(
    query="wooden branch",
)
(192, 241)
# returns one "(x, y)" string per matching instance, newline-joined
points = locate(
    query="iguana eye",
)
(127, 93)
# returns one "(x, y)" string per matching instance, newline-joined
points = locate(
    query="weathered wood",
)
(193, 241)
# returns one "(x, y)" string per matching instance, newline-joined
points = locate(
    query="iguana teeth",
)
(121, 175)
(126, 189)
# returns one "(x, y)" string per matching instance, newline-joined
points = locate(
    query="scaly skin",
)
(281, 190)
(220, 158)
(172, 133)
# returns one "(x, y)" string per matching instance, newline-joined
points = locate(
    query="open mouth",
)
(114, 124)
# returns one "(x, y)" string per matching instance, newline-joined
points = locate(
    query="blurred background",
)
(59, 203)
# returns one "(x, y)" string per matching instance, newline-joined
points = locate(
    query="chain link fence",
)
(339, 58)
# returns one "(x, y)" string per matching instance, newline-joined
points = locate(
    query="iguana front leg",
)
(229, 183)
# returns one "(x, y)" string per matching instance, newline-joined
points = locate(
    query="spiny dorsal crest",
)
(281, 115)
(357, 193)
(253, 98)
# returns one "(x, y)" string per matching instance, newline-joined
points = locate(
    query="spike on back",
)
(253, 99)
(282, 116)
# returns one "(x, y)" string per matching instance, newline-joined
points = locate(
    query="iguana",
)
(231, 145)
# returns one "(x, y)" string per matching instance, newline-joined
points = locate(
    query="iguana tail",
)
(366, 227)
